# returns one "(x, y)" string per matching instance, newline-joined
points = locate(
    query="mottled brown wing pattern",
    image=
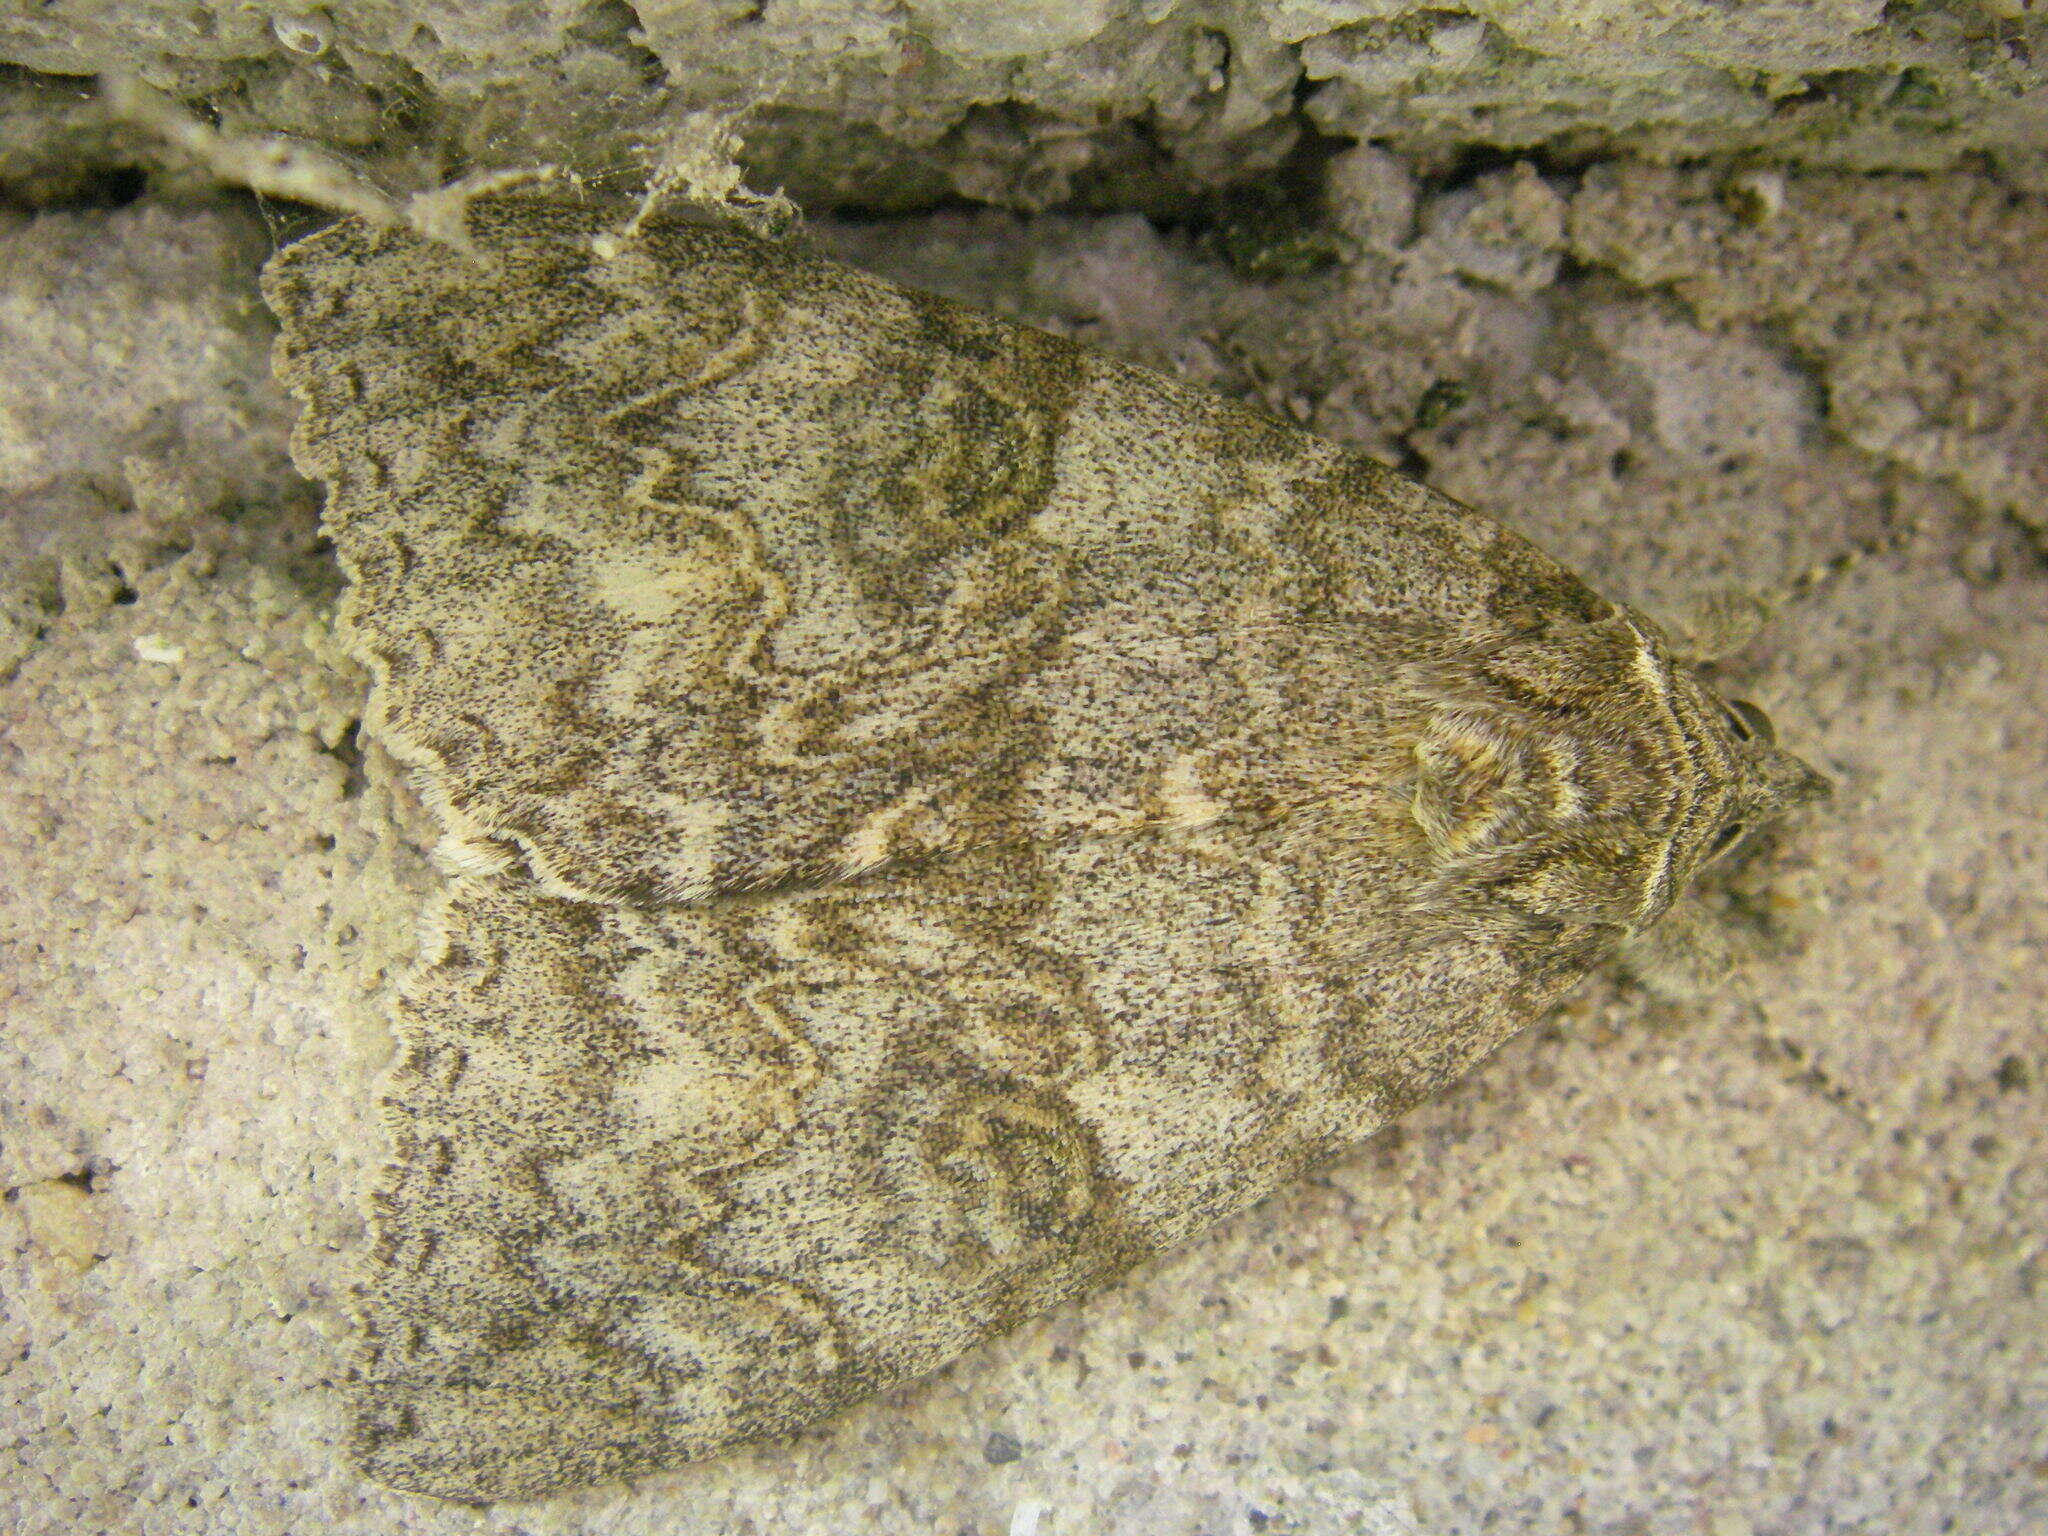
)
(940, 816)
(713, 565)
(734, 1164)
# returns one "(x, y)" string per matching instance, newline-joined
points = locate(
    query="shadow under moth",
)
(937, 816)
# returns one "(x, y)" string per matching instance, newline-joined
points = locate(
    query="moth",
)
(938, 816)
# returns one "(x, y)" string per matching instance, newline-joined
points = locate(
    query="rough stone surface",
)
(137, 401)
(1120, 102)
(149, 356)
(1917, 265)
(1765, 1256)
(1852, 83)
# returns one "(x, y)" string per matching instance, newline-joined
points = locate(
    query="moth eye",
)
(1750, 723)
(1725, 839)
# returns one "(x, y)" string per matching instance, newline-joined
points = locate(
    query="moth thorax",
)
(1553, 813)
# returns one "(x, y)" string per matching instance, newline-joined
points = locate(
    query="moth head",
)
(1577, 773)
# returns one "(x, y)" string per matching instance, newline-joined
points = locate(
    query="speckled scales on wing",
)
(982, 813)
(804, 572)
(736, 1164)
